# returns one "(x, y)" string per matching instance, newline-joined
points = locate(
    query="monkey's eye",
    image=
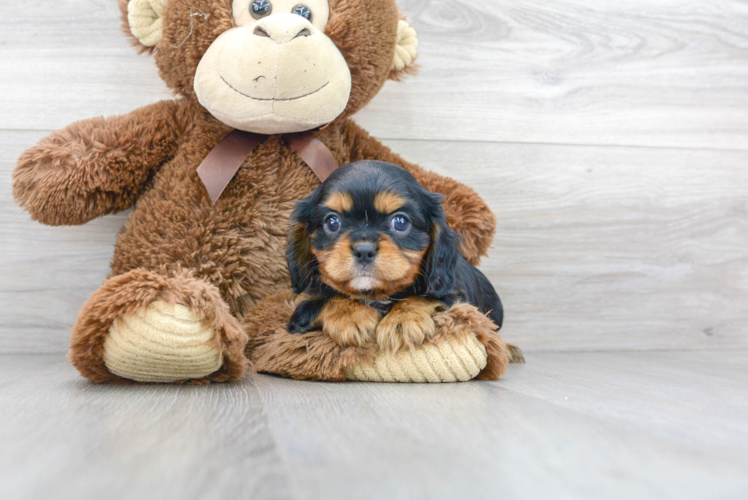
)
(400, 223)
(303, 11)
(332, 224)
(260, 8)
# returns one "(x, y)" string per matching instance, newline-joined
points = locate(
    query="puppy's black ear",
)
(441, 258)
(302, 264)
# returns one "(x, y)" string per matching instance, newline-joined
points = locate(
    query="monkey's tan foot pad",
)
(162, 343)
(451, 360)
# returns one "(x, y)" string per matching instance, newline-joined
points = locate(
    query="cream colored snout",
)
(283, 28)
(279, 75)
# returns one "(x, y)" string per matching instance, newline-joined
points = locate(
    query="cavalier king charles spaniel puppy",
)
(372, 251)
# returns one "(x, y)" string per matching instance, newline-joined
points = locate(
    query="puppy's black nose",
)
(364, 252)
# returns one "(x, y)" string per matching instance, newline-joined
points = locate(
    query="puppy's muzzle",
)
(364, 252)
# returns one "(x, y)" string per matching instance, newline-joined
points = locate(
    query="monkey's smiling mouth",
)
(272, 98)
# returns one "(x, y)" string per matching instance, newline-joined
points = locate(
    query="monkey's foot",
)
(146, 327)
(466, 345)
(162, 343)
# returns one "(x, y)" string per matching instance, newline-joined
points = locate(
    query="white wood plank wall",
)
(611, 139)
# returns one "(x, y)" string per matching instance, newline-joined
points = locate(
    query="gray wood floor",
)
(611, 140)
(565, 425)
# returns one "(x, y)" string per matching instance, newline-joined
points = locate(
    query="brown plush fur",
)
(176, 244)
(58, 180)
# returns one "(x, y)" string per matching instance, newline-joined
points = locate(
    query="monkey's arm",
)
(466, 211)
(96, 166)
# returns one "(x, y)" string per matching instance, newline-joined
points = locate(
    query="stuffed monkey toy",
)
(199, 287)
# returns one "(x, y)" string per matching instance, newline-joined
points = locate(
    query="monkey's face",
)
(274, 66)
(276, 71)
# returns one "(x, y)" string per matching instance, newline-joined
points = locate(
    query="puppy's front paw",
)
(300, 324)
(348, 322)
(305, 318)
(408, 324)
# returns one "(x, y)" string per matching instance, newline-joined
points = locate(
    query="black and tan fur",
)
(369, 280)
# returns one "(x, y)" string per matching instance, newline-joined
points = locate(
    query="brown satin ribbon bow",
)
(225, 160)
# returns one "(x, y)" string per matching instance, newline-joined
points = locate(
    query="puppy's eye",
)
(260, 8)
(332, 224)
(303, 11)
(400, 223)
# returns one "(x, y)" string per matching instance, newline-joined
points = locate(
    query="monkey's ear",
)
(302, 264)
(405, 51)
(441, 258)
(144, 17)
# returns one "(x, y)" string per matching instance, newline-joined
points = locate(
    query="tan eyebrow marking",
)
(386, 202)
(340, 202)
